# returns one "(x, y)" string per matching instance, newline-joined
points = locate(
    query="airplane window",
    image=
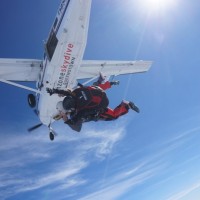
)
(51, 45)
(55, 23)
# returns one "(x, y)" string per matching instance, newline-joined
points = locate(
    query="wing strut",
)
(20, 86)
(86, 82)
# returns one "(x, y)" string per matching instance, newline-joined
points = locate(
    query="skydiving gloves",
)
(114, 83)
(57, 91)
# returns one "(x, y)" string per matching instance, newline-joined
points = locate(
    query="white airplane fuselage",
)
(64, 53)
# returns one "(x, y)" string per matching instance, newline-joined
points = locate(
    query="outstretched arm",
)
(59, 92)
(108, 84)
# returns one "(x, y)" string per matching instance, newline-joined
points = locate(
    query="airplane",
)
(63, 65)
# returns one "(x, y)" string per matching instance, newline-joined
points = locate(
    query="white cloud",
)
(185, 192)
(149, 166)
(55, 177)
(122, 182)
(33, 162)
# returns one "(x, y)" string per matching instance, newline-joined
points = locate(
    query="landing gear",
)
(31, 100)
(51, 136)
(52, 133)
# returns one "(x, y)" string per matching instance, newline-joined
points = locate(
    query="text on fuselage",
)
(66, 67)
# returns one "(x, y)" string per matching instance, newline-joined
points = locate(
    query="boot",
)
(133, 107)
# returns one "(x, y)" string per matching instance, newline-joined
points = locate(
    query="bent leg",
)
(110, 114)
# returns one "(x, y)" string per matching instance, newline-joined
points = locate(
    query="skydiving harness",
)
(85, 99)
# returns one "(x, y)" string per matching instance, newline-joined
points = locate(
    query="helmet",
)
(60, 107)
(68, 103)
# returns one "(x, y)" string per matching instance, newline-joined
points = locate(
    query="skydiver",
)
(90, 103)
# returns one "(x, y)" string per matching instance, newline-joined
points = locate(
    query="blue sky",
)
(153, 155)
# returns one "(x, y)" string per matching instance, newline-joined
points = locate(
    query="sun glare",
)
(158, 5)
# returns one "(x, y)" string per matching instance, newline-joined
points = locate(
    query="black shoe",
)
(114, 82)
(133, 107)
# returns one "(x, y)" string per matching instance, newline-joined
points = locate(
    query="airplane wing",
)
(29, 69)
(20, 69)
(92, 68)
